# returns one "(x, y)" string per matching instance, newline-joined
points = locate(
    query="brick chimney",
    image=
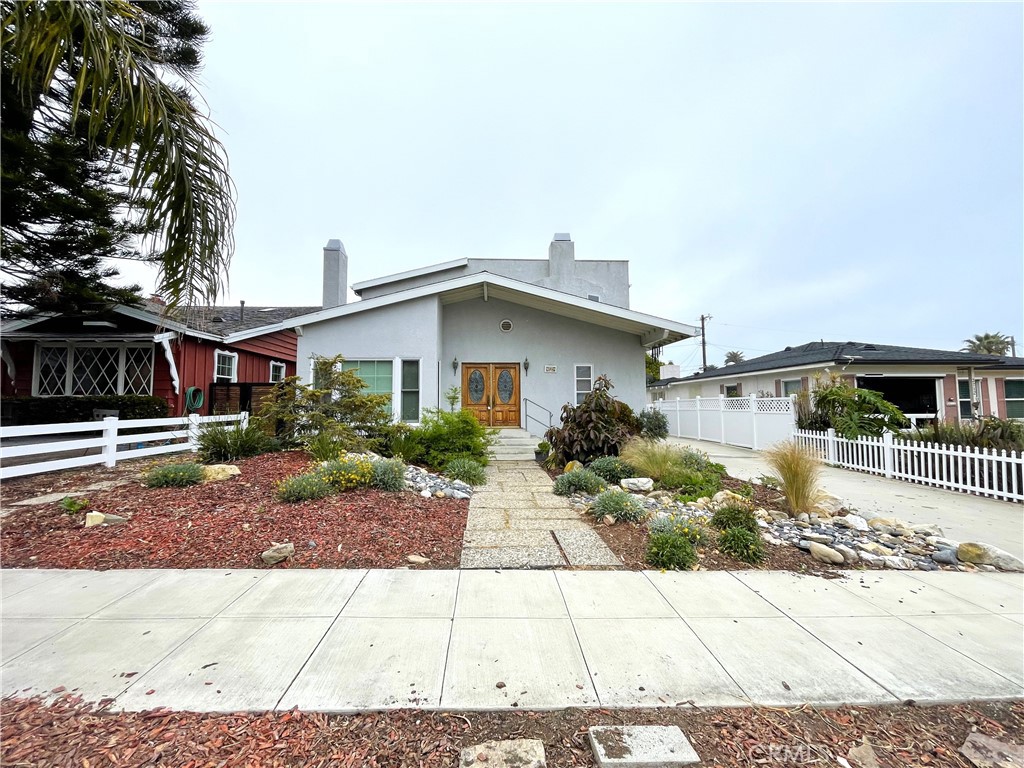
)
(335, 274)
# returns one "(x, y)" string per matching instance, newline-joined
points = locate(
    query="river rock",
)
(820, 538)
(637, 484)
(986, 554)
(938, 541)
(926, 529)
(215, 472)
(855, 522)
(874, 548)
(829, 504)
(728, 497)
(99, 518)
(898, 563)
(945, 556)
(825, 554)
(418, 559)
(849, 555)
(277, 553)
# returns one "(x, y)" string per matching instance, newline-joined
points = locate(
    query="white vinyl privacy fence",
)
(981, 471)
(748, 422)
(36, 448)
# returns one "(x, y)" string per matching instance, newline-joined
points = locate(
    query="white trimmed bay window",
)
(93, 369)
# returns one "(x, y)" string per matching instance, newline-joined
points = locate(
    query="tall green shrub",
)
(598, 426)
(446, 435)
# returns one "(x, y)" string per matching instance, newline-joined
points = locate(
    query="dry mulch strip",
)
(227, 524)
(70, 733)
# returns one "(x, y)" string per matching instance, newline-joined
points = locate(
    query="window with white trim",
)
(93, 369)
(410, 390)
(732, 390)
(791, 387)
(277, 371)
(1014, 391)
(966, 400)
(378, 376)
(584, 381)
(225, 367)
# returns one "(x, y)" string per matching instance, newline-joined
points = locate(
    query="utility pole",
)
(703, 344)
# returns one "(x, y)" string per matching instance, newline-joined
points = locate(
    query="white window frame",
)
(69, 373)
(575, 379)
(799, 387)
(1007, 400)
(395, 384)
(234, 366)
(975, 391)
(284, 371)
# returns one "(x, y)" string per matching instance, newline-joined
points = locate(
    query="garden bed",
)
(69, 733)
(228, 524)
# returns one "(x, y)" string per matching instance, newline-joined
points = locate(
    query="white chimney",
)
(561, 256)
(335, 274)
(670, 372)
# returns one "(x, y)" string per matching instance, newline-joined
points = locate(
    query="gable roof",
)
(851, 353)
(358, 288)
(653, 331)
(219, 323)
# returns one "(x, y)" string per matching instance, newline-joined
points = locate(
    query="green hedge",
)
(61, 410)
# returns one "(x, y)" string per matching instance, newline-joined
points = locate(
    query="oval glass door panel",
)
(476, 387)
(505, 386)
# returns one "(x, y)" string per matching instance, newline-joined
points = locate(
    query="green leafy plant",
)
(174, 476)
(407, 447)
(346, 472)
(770, 482)
(452, 396)
(579, 481)
(219, 442)
(466, 470)
(694, 529)
(445, 436)
(742, 544)
(734, 516)
(611, 468)
(621, 506)
(72, 505)
(303, 488)
(798, 470)
(851, 411)
(543, 447)
(335, 404)
(998, 434)
(670, 552)
(598, 426)
(323, 446)
(653, 424)
(746, 491)
(388, 474)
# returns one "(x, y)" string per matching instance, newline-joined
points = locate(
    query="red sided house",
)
(150, 350)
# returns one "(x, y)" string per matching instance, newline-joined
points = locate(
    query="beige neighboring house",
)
(925, 384)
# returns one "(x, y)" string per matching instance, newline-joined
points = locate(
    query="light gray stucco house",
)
(519, 337)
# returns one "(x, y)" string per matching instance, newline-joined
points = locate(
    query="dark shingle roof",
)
(853, 353)
(223, 321)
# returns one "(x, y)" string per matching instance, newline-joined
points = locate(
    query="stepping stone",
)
(641, 746)
(518, 753)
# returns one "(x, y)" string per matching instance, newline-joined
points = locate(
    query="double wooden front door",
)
(491, 392)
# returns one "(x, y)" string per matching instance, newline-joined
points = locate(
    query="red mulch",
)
(227, 524)
(68, 733)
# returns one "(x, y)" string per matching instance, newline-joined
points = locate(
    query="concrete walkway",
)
(961, 516)
(349, 640)
(515, 521)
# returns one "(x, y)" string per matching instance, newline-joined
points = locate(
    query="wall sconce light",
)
(526, 366)
(455, 365)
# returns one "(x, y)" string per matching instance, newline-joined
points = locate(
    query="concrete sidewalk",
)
(347, 640)
(961, 516)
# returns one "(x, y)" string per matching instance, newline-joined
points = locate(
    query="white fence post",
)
(887, 453)
(110, 441)
(193, 432)
(830, 446)
(244, 420)
(699, 437)
(753, 421)
(679, 422)
(721, 416)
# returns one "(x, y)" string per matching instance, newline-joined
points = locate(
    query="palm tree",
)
(99, 62)
(733, 357)
(987, 344)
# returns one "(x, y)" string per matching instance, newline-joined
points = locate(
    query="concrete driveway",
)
(961, 516)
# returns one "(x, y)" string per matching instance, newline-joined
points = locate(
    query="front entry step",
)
(514, 445)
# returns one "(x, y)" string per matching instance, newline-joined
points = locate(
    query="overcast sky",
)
(842, 171)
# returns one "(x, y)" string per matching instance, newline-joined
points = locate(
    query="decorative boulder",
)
(99, 518)
(829, 504)
(825, 554)
(215, 472)
(986, 554)
(277, 553)
(572, 466)
(637, 484)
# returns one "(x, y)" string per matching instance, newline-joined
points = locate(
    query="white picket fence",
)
(747, 422)
(173, 435)
(981, 471)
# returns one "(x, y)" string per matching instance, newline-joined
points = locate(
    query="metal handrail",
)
(526, 412)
